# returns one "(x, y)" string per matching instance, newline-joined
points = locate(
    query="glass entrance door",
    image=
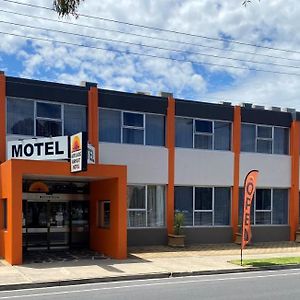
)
(35, 224)
(59, 224)
(55, 224)
(79, 224)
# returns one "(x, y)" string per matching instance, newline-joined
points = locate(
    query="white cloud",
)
(272, 23)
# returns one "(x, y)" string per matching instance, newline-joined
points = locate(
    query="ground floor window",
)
(146, 206)
(203, 206)
(269, 206)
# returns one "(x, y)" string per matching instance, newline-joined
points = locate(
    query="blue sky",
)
(203, 75)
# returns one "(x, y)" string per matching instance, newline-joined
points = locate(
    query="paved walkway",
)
(149, 261)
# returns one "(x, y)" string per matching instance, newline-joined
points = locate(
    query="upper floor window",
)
(264, 139)
(131, 127)
(20, 116)
(37, 118)
(203, 134)
(48, 119)
(74, 119)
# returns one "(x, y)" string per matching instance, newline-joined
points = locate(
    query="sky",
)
(202, 50)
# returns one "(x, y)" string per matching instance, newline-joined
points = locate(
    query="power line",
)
(148, 55)
(148, 46)
(150, 37)
(161, 29)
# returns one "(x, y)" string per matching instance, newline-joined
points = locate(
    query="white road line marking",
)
(140, 280)
(144, 285)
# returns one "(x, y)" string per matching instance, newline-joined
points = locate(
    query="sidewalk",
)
(145, 262)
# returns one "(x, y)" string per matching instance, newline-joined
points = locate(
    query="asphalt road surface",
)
(280, 284)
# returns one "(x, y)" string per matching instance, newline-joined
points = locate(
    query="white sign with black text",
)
(54, 148)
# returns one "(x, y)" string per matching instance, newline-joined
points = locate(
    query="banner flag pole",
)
(249, 190)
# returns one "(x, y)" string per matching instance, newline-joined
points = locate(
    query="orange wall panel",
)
(294, 191)
(236, 144)
(170, 143)
(93, 128)
(111, 241)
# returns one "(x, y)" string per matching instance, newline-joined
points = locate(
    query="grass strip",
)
(265, 262)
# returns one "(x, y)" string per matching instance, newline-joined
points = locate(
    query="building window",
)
(269, 207)
(145, 206)
(155, 130)
(20, 116)
(131, 128)
(44, 119)
(48, 119)
(202, 134)
(264, 139)
(203, 206)
(104, 214)
(184, 133)
(110, 126)
(74, 119)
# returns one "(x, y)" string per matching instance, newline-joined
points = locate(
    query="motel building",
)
(141, 159)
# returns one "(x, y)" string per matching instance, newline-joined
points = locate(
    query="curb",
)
(21, 286)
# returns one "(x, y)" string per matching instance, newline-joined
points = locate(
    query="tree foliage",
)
(246, 2)
(66, 7)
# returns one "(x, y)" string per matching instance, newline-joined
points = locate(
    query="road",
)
(279, 284)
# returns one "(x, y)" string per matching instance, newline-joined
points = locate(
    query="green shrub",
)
(178, 223)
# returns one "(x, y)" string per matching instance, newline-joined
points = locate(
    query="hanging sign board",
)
(78, 152)
(54, 148)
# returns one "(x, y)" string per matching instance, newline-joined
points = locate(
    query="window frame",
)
(253, 222)
(209, 211)
(61, 120)
(146, 206)
(134, 127)
(266, 139)
(204, 210)
(35, 118)
(263, 210)
(101, 214)
(207, 134)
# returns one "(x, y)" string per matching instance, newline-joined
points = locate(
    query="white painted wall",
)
(203, 167)
(145, 164)
(274, 170)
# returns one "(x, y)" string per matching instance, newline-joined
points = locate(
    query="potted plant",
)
(177, 239)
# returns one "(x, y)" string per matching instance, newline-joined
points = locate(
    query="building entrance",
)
(55, 221)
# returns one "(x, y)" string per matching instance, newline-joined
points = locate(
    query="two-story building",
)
(155, 155)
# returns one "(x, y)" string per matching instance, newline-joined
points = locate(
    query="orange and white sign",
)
(249, 190)
(78, 152)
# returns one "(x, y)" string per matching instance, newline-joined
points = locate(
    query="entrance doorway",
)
(57, 221)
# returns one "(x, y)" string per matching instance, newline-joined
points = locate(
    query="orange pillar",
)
(294, 192)
(111, 241)
(93, 120)
(11, 190)
(236, 171)
(2, 117)
(170, 143)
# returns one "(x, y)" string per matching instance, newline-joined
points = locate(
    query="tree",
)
(246, 2)
(66, 7)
